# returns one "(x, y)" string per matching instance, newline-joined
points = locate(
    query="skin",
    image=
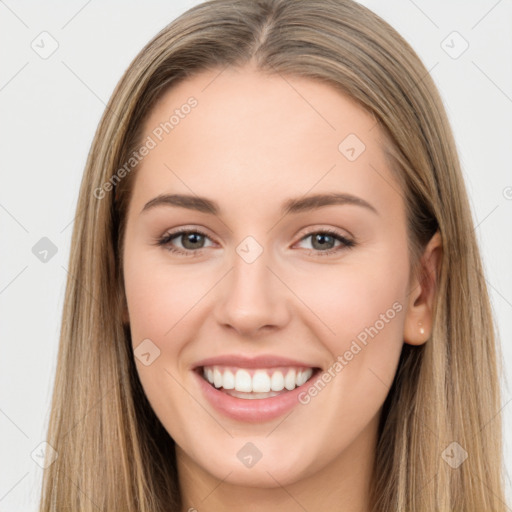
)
(252, 142)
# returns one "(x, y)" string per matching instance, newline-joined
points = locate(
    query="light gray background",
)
(50, 109)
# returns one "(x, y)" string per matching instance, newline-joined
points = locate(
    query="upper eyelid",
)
(316, 228)
(305, 234)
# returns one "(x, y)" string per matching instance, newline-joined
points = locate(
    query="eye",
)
(324, 240)
(192, 242)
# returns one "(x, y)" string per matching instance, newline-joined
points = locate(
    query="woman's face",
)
(256, 296)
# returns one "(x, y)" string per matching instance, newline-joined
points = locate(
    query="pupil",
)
(321, 239)
(193, 238)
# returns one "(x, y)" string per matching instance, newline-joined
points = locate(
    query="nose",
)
(252, 299)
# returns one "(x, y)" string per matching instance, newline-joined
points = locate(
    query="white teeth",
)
(217, 378)
(243, 381)
(289, 380)
(301, 378)
(261, 381)
(277, 381)
(307, 374)
(228, 380)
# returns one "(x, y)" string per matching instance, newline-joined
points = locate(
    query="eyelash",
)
(166, 239)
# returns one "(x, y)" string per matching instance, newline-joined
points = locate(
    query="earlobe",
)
(422, 293)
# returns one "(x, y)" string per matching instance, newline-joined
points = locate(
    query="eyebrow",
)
(294, 205)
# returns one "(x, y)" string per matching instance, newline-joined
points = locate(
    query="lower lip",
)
(255, 410)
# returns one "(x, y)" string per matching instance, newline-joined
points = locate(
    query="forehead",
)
(257, 136)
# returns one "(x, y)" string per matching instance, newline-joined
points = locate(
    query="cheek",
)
(362, 303)
(364, 309)
(158, 300)
(147, 303)
(158, 297)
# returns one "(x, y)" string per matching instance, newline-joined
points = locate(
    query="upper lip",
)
(262, 361)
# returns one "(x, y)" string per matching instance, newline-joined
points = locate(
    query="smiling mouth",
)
(254, 383)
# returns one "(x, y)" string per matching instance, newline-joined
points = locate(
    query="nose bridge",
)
(252, 297)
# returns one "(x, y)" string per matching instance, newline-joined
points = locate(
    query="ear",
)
(422, 292)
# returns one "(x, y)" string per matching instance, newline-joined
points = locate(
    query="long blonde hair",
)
(113, 453)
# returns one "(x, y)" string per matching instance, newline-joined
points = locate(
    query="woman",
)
(209, 360)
